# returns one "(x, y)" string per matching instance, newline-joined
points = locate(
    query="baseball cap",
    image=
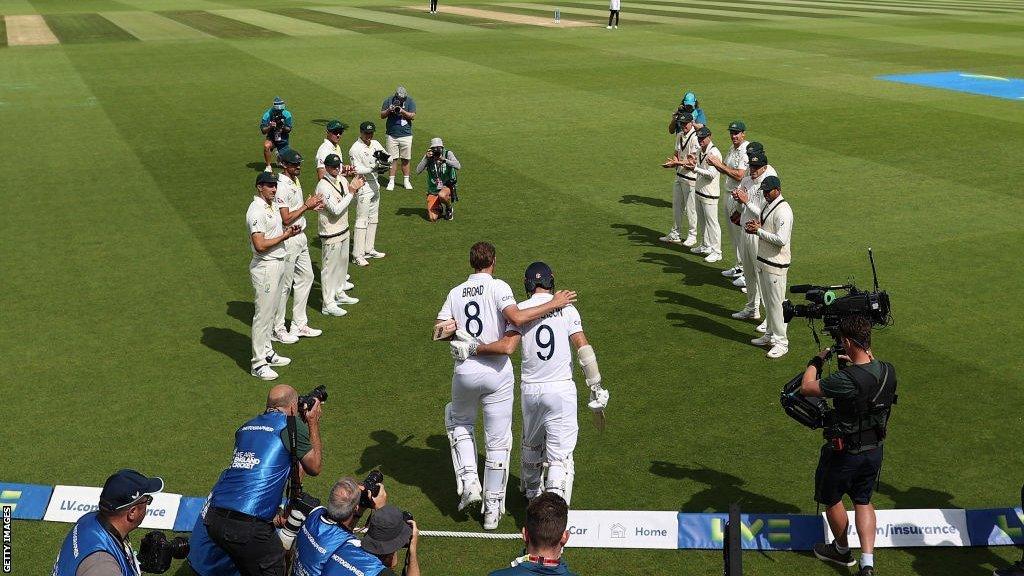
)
(737, 126)
(690, 98)
(336, 126)
(266, 178)
(401, 92)
(367, 127)
(126, 487)
(386, 532)
(686, 117)
(435, 142)
(704, 132)
(332, 160)
(278, 103)
(757, 158)
(771, 183)
(290, 156)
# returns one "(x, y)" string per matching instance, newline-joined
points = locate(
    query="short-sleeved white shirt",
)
(289, 195)
(737, 159)
(476, 305)
(326, 149)
(266, 219)
(547, 356)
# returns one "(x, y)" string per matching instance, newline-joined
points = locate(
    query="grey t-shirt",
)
(98, 564)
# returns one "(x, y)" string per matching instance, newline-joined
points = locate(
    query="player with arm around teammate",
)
(550, 427)
(480, 308)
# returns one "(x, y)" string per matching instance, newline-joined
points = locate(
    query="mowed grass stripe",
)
(887, 8)
(150, 26)
(219, 26)
(784, 8)
(280, 23)
(340, 22)
(424, 23)
(85, 28)
(3, 32)
(28, 30)
(951, 4)
(693, 11)
(588, 15)
(634, 14)
(453, 18)
(531, 20)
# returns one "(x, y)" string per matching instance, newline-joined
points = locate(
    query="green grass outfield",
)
(128, 155)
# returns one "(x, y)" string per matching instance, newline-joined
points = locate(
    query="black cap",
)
(386, 532)
(332, 160)
(757, 158)
(266, 178)
(685, 117)
(538, 274)
(290, 156)
(771, 183)
(126, 487)
(704, 132)
(367, 127)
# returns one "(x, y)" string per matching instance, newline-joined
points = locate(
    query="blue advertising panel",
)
(28, 501)
(758, 531)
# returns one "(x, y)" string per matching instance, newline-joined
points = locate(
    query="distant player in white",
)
(550, 427)
(480, 308)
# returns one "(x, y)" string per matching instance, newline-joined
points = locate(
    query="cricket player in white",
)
(298, 275)
(708, 190)
(735, 168)
(336, 193)
(267, 236)
(368, 198)
(550, 427)
(749, 207)
(773, 228)
(687, 148)
(479, 309)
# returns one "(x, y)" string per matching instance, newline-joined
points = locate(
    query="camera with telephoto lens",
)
(397, 101)
(371, 488)
(156, 552)
(306, 401)
(298, 508)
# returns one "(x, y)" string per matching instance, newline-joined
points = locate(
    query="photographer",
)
(399, 110)
(851, 459)
(442, 175)
(98, 543)
(689, 105)
(276, 126)
(237, 525)
(329, 527)
(545, 536)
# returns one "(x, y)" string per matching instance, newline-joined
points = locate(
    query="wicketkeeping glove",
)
(463, 345)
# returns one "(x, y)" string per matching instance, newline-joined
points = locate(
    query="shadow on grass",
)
(242, 311)
(722, 490)
(430, 470)
(230, 343)
(647, 200)
(678, 259)
(256, 166)
(421, 212)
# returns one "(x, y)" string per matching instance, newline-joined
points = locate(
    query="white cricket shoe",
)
(671, 238)
(492, 513)
(276, 359)
(470, 495)
(690, 241)
(347, 278)
(608, 27)
(733, 272)
(777, 351)
(740, 281)
(747, 314)
(347, 286)
(391, 184)
(305, 332)
(702, 250)
(360, 261)
(332, 309)
(264, 372)
(342, 298)
(375, 254)
(744, 289)
(283, 336)
(713, 257)
(762, 341)
(407, 184)
(616, 26)
(762, 327)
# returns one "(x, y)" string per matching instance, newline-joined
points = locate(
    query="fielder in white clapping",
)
(773, 228)
(750, 202)
(735, 168)
(363, 154)
(480, 308)
(707, 191)
(683, 187)
(550, 427)
(337, 193)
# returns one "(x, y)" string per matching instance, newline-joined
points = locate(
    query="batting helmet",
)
(538, 274)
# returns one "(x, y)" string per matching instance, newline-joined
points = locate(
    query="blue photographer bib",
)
(204, 556)
(351, 560)
(318, 539)
(255, 481)
(89, 536)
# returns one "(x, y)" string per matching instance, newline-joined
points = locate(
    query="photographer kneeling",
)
(863, 393)
(327, 546)
(236, 529)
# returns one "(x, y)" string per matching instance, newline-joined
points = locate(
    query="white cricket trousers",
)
(494, 391)
(298, 274)
(367, 216)
(683, 200)
(733, 230)
(748, 255)
(773, 290)
(266, 276)
(550, 430)
(707, 214)
(333, 266)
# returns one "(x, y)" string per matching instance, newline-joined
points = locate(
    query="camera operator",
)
(398, 111)
(442, 175)
(98, 543)
(237, 525)
(545, 535)
(688, 105)
(276, 126)
(851, 459)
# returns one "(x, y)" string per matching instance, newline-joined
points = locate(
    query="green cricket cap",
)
(737, 126)
(771, 183)
(332, 160)
(290, 156)
(367, 127)
(266, 178)
(336, 126)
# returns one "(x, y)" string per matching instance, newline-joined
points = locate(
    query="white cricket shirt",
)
(476, 306)
(266, 219)
(289, 195)
(752, 209)
(326, 149)
(547, 354)
(362, 158)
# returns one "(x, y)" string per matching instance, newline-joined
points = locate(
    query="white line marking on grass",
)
(29, 30)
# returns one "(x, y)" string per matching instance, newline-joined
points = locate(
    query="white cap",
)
(435, 142)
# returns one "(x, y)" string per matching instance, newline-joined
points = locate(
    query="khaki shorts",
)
(400, 147)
